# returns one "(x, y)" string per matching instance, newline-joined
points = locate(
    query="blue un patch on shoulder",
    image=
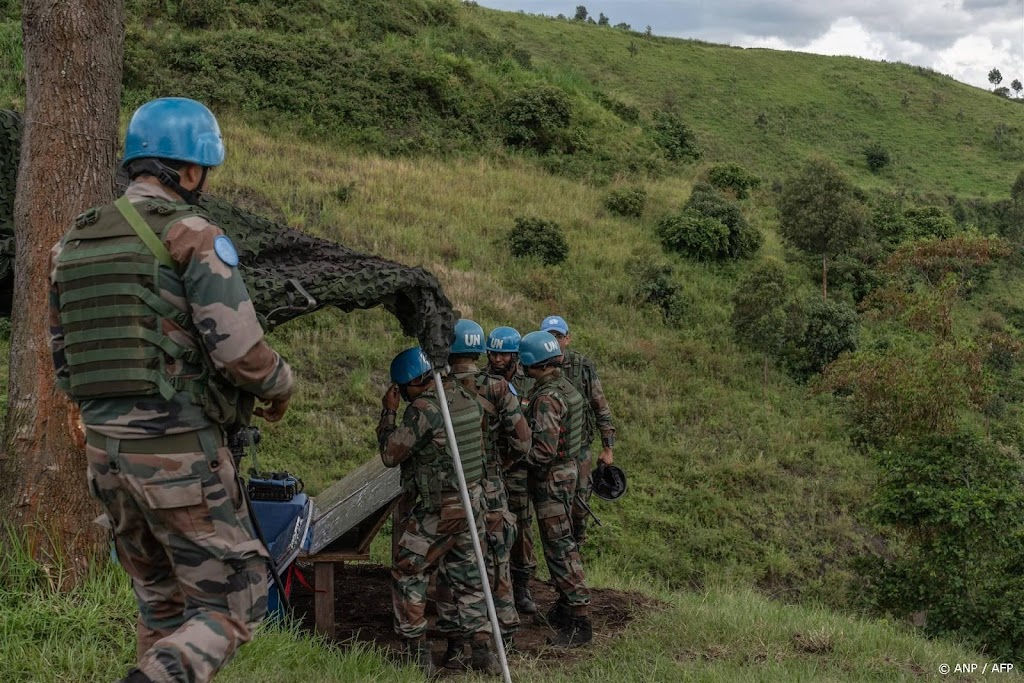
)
(226, 250)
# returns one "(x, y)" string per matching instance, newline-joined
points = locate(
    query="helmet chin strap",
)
(169, 178)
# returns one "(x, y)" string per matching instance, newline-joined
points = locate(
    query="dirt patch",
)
(363, 613)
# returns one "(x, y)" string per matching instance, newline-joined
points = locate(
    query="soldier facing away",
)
(556, 414)
(436, 534)
(503, 360)
(508, 439)
(154, 335)
(582, 372)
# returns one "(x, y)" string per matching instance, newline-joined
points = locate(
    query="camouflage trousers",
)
(580, 518)
(523, 560)
(552, 489)
(497, 545)
(439, 540)
(183, 535)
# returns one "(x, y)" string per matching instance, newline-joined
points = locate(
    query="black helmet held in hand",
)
(608, 482)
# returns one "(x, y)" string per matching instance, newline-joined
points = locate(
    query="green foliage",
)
(733, 177)
(994, 77)
(887, 222)
(653, 281)
(929, 221)
(760, 316)
(537, 118)
(626, 201)
(697, 236)
(1017, 191)
(818, 333)
(877, 157)
(743, 239)
(676, 139)
(958, 503)
(536, 237)
(581, 13)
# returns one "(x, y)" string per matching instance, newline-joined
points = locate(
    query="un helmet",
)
(469, 338)
(503, 340)
(554, 323)
(174, 128)
(537, 347)
(608, 482)
(409, 365)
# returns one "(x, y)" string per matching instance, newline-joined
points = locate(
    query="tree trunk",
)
(824, 277)
(74, 50)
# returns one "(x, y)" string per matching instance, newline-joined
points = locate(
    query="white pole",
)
(467, 505)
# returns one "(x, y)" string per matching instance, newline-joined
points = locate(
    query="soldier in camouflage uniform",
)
(556, 415)
(503, 361)
(154, 335)
(507, 440)
(582, 372)
(436, 534)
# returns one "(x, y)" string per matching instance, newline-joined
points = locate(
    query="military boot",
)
(417, 651)
(521, 593)
(559, 614)
(136, 676)
(577, 633)
(482, 658)
(455, 655)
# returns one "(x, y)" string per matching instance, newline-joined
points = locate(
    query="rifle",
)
(585, 506)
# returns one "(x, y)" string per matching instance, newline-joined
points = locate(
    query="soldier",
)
(556, 413)
(503, 360)
(508, 439)
(435, 534)
(154, 335)
(582, 372)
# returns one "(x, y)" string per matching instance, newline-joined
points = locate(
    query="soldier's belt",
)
(186, 442)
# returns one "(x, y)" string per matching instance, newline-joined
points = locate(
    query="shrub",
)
(200, 13)
(653, 281)
(743, 240)
(536, 237)
(759, 314)
(626, 201)
(733, 177)
(820, 331)
(929, 221)
(877, 157)
(537, 118)
(694, 235)
(676, 139)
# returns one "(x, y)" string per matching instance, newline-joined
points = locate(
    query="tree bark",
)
(74, 52)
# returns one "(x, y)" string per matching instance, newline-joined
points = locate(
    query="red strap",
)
(293, 571)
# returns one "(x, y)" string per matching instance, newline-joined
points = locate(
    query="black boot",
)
(417, 651)
(559, 615)
(136, 676)
(521, 593)
(577, 633)
(455, 655)
(483, 659)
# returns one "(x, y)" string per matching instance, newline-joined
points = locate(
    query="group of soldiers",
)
(523, 426)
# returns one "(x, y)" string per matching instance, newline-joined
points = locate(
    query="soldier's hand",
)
(391, 398)
(274, 411)
(606, 456)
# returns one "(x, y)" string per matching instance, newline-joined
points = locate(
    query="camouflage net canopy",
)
(288, 273)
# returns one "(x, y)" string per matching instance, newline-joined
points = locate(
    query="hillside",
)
(395, 128)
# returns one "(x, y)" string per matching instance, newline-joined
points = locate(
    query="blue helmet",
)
(174, 128)
(469, 338)
(554, 323)
(503, 340)
(409, 365)
(537, 347)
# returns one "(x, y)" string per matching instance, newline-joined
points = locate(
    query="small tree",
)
(759, 315)
(624, 26)
(602, 20)
(821, 213)
(633, 49)
(539, 238)
(1017, 86)
(648, 32)
(877, 157)
(581, 13)
(994, 77)
(1017, 191)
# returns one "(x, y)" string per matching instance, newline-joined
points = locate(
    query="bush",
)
(877, 157)
(744, 240)
(653, 281)
(676, 139)
(535, 237)
(626, 201)
(929, 221)
(733, 177)
(691, 234)
(536, 118)
(820, 331)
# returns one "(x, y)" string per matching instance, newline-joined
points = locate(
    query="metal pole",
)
(467, 505)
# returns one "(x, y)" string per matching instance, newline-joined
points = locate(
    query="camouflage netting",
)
(273, 258)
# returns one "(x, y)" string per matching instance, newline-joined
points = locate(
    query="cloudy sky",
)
(962, 38)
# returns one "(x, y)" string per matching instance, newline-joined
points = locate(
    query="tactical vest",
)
(570, 440)
(575, 373)
(111, 310)
(433, 471)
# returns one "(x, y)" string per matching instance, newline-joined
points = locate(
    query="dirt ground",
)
(363, 613)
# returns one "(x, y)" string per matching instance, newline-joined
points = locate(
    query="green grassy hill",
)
(385, 125)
